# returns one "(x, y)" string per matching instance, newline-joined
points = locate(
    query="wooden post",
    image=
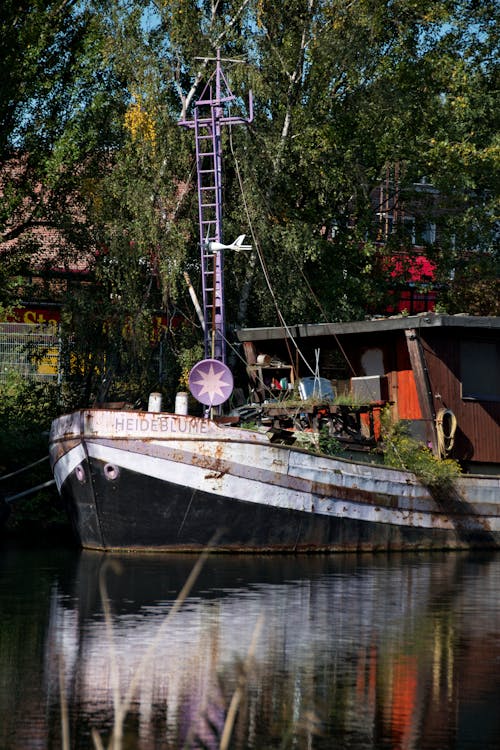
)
(420, 373)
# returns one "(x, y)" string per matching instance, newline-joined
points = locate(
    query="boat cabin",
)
(438, 373)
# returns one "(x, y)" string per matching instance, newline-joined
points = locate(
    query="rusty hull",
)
(164, 482)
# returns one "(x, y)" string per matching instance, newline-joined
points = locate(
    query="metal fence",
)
(29, 350)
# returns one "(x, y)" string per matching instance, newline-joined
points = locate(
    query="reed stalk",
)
(122, 705)
(242, 683)
(64, 706)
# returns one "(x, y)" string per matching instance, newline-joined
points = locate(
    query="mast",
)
(209, 117)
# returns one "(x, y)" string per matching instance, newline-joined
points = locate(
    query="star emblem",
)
(211, 382)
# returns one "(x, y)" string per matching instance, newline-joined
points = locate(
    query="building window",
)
(480, 370)
(418, 231)
(426, 234)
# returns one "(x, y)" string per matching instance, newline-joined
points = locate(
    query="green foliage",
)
(187, 358)
(26, 413)
(402, 451)
(92, 95)
(348, 399)
(475, 286)
(111, 349)
(327, 443)
(40, 41)
(344, 91)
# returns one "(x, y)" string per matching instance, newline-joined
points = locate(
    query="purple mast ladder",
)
(208, 119)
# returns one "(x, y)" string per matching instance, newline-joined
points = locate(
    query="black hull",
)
(139, 513)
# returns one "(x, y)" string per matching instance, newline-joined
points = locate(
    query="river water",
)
(364, 651)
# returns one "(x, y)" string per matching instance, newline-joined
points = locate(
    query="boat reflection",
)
(365, 652)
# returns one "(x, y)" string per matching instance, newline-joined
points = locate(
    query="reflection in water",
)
(355, 651)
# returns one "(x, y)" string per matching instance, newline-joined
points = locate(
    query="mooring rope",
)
(11, 498)
(446, 426)
(25, 468)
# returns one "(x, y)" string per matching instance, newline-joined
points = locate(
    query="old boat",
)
(149, 480)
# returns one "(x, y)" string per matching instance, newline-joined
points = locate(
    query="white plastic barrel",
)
(181, 402)
(154, 403)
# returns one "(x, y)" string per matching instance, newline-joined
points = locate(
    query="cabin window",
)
(480, 368)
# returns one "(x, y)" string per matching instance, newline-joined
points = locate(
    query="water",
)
(370, 652)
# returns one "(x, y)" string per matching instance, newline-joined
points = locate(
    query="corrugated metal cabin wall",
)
(477, 437)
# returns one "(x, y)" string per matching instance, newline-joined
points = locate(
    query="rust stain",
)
(216, 475)
(60, 450)
(215, 464)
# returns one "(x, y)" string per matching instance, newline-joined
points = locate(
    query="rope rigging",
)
(265, 271)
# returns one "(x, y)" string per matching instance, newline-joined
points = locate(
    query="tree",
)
(348, 89)
(342, 91)
(53, 109)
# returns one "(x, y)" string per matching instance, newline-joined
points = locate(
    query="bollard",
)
(181, 402)
(154, 403)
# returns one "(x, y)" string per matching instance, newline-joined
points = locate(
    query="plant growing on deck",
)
(402, 451)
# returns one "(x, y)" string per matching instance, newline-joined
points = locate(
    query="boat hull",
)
(134, 482)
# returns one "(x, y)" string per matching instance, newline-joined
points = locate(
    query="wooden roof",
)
(374, 325)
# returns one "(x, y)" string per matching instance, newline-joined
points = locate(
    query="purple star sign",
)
(211, 382)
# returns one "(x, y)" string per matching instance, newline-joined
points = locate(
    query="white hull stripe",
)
(68, 463)
(251, 490)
